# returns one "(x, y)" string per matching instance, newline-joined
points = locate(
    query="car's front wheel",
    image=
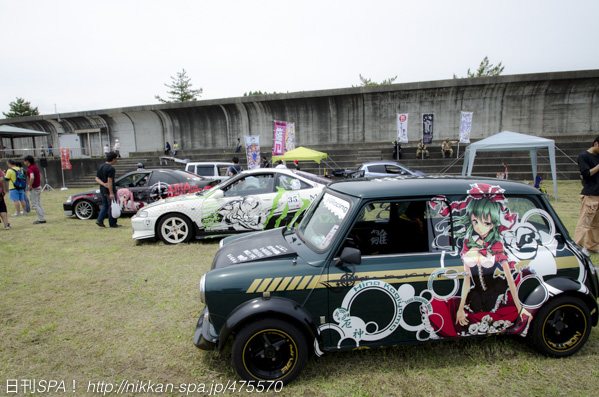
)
(269, 350)
(85, 210)
(175, 229)
(561, 327)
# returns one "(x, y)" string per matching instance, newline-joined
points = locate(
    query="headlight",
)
(70, 199)
(142, 214)
(203, 289)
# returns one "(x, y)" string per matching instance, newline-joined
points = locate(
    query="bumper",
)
(143, 228)
(68, 209)
(205, 337)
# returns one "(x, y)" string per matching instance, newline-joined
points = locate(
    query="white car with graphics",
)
(253, 200)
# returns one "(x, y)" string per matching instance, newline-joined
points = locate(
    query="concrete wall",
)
(555, 105)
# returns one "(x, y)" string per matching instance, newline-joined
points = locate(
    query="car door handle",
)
(454, 274)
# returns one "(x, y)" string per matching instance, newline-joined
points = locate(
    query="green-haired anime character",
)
(485, 291)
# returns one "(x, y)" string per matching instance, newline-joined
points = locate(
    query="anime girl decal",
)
(488, 302)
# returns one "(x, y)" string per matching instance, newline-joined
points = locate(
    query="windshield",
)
(321, 224)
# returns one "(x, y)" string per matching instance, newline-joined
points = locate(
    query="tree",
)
(180, 89)
(485, 69)
(21, 108)
(366, 82)
(254, 93)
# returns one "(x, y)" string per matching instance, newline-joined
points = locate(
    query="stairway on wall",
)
(350, 156)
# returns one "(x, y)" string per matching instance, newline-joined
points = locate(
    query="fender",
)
(263, 307)
(560, 285)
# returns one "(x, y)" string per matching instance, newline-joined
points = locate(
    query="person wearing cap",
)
(117, 147)
(296, 164)
(140, 166)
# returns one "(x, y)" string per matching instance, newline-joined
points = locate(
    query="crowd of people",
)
(24, 190)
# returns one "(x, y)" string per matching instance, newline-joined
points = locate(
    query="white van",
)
(215, 171)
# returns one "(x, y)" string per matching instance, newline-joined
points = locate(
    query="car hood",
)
(184, 197)
(260, 246)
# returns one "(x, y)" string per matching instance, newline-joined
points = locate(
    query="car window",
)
(132, 180)
(393, 169)
(205, 170)
(393, 227)
(290, 183)
(320, 226)
(163, 177)
(379, 168)
(250, 185)
(222, 169)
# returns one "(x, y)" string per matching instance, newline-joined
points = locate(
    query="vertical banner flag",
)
(402, 127)
(427, 128)
(278, 142)
(65, 158)
(290, 137)
(252, 148)
(466, 127)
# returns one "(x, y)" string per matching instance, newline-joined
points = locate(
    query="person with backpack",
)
(17, 183)
(235, 168)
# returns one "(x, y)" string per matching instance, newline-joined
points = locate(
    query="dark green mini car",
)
(394, 261)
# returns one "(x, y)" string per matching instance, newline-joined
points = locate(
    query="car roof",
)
(383, 162)
(425, 186)
(208, 163)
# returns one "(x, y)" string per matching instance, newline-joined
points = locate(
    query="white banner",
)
(402, 127)
(466, 127)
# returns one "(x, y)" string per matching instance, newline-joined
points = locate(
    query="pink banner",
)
(278, 144)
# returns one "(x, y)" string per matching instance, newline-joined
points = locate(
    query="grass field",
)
(83, 304)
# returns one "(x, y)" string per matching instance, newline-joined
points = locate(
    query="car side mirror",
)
(350, 255)
(217, 194)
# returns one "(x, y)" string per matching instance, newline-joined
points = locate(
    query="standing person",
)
(42, 152)
(167, 148)
(106, 150)
(35, 189)
(3, 210)
(238, 146)
(264, 162)
(105, 178)
(446, 149)
(27, 206)
(235, 168)
(15, 194)
(396, 150)
(587, 229)
(117, 148)
(50, 152)
(296, 164)
(280, 164)
(175, 148)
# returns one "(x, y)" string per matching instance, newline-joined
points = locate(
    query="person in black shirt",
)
(587, 229)
(105, 178)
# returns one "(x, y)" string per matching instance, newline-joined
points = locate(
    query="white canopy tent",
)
(507, 140)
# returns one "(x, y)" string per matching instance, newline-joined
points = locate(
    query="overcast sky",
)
(89, 55)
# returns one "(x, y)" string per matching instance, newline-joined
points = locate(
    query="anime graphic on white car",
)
(253, 200)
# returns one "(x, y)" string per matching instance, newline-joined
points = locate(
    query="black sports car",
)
(136, 189)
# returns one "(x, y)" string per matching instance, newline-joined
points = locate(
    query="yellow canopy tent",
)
(302, 154)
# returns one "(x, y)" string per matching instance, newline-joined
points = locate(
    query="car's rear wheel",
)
(269, 350)
(175, 229)
(561, 327)
(85, 210)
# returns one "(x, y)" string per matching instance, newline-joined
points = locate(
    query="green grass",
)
(88, 304)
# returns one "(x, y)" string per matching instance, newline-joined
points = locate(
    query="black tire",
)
(85, 210)
(269, 350)
(175, 229)
(561, 327)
